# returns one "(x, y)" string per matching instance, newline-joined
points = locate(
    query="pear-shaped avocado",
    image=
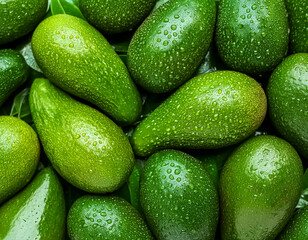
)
(260, 186)
(105, 217)
(213, 110)
(85, 147)
(37, 212)
(76, 57)
(19, 155)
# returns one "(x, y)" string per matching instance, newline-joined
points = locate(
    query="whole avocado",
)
(105, 217)
(84, 146)
(210, 111)
(13, 72)
(287, 93)
(170, 44)
(260, 186)
(19, 155)
(116, 16)
(19, 17)
(76, 57)
(252, 36)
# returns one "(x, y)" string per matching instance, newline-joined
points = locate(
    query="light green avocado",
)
(85, 147)
(76, 57)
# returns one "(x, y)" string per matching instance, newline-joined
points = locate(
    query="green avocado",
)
(14, 72)
(171, 43)
(178, 197)
(260, 186)
(37, 212)
(84, 146)
(252, 36)
(210, 111)
(105, 217)
(19, 17)
(287, 93)
(19, 155)
(76, 57)
(115, 16)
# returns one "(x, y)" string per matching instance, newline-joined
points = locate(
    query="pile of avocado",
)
(146, 119)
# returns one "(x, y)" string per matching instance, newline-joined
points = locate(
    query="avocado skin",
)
(19, 17)
(106, 217)
(210, 111)
(84, 146)
(19, 155)
(251, 37)
(77, 58)
(37, 212)
(116, 16)
(260, 186)
(170, 44)
(287, 93)
(14, 71)
(298, 20)
(297, 228)
(178, 197)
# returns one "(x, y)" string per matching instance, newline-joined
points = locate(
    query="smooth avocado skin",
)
(117, 16)
(260, 186)
(287, 93)
(19, 17)
(170, 44)
(105, 217)
(84, 146)
(37, 212)
(178, 197)
(297, 228)
(19, 155)
(252, 36)
(210, 111)
(79, 60)
(14, 72)
(297, 15)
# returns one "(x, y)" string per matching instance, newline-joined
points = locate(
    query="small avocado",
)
(84, 146)
(178, 197)
(116, 16)
(252, 36)
(19, 155)
(37, 212)
(210, 111)
(105, 217)
(287, 93)
(77, 58)
(260, 186)
(14, 72)
(171, 43)
(19, 17)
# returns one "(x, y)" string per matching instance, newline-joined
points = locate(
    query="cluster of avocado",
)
(206, 175)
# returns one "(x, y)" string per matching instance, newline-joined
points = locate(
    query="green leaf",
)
(306, 179)
(303, 201)
(20, 107)
(66, 7)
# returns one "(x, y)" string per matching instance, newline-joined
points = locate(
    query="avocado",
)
(178, 197)
(37, 212)
(77, 58)
(252, 36)
(170, 44)
(260, 186)
(105, 217)
(297, 14)
(14, 71)
(117, 16)
(19, 155)
(297, 228)
(287, 93)
(84, 146)
(210, 111)
(19, 17)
